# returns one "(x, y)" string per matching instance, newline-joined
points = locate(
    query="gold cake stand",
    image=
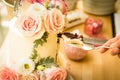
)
(10, 7)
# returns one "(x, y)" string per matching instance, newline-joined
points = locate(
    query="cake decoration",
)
(7, 74)
(34, 68)
(35, 31)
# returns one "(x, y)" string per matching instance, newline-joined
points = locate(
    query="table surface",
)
(95, 66)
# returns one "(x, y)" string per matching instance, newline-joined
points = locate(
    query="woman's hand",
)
(114, 45)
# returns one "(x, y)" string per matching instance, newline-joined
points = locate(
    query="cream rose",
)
(55, 73)
(54, 20)
(30, 25)
(7, 74)
(32, 76)
(37, 9)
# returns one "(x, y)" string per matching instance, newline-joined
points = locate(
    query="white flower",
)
(25, 66)
(37, 9)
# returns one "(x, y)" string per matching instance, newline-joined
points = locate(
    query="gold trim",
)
(8, 4)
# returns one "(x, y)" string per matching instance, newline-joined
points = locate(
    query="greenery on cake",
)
(41, 41)
(42, 63)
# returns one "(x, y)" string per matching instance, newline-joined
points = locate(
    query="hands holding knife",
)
(114, 45)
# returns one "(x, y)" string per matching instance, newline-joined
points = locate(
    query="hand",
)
(114, 45)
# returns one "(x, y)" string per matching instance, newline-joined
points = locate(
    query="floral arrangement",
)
(34, 68)
(42, 18)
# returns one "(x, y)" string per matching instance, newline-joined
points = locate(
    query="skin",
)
(114, 45)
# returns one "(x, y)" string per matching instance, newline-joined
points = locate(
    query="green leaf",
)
(34, 55)
(41, 41)
(47, 62)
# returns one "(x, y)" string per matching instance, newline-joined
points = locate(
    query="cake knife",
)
(87, 40)
(94, 41)
(89, 43)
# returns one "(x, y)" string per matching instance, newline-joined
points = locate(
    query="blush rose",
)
(30, 25)
(32, 76)
(54, 21)
(55, 74)
(34, 1)
(7, 74)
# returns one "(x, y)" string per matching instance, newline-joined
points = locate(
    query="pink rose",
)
(61, 4)
(7, 74)
(32, 76)
(55, 74)
(34, 1)
(30, 25)
(54, 21)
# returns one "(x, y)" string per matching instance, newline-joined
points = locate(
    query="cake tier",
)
(19, 46)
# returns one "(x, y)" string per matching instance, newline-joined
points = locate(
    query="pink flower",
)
(30, 25)
(32, 76)
(7, 74)
(34, 1)
(54, 20)
(61, 4)
(55, 74)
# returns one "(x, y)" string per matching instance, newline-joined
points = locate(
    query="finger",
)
(115, 44)
(114, 51)
(109, 43)
(102, 50)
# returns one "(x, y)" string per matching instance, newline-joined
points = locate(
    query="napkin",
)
(117, 23)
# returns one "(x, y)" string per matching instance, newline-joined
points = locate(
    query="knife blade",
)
(87, 40)
(94, 41)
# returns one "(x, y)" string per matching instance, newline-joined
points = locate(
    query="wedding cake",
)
(32, 42)
(36, 29)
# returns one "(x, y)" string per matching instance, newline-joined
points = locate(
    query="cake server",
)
(88, 43)
(94, 41)
(87, 40)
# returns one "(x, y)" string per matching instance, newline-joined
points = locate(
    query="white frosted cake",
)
(21, 46)
(31, 45)
(31, 50)
(35, 29)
